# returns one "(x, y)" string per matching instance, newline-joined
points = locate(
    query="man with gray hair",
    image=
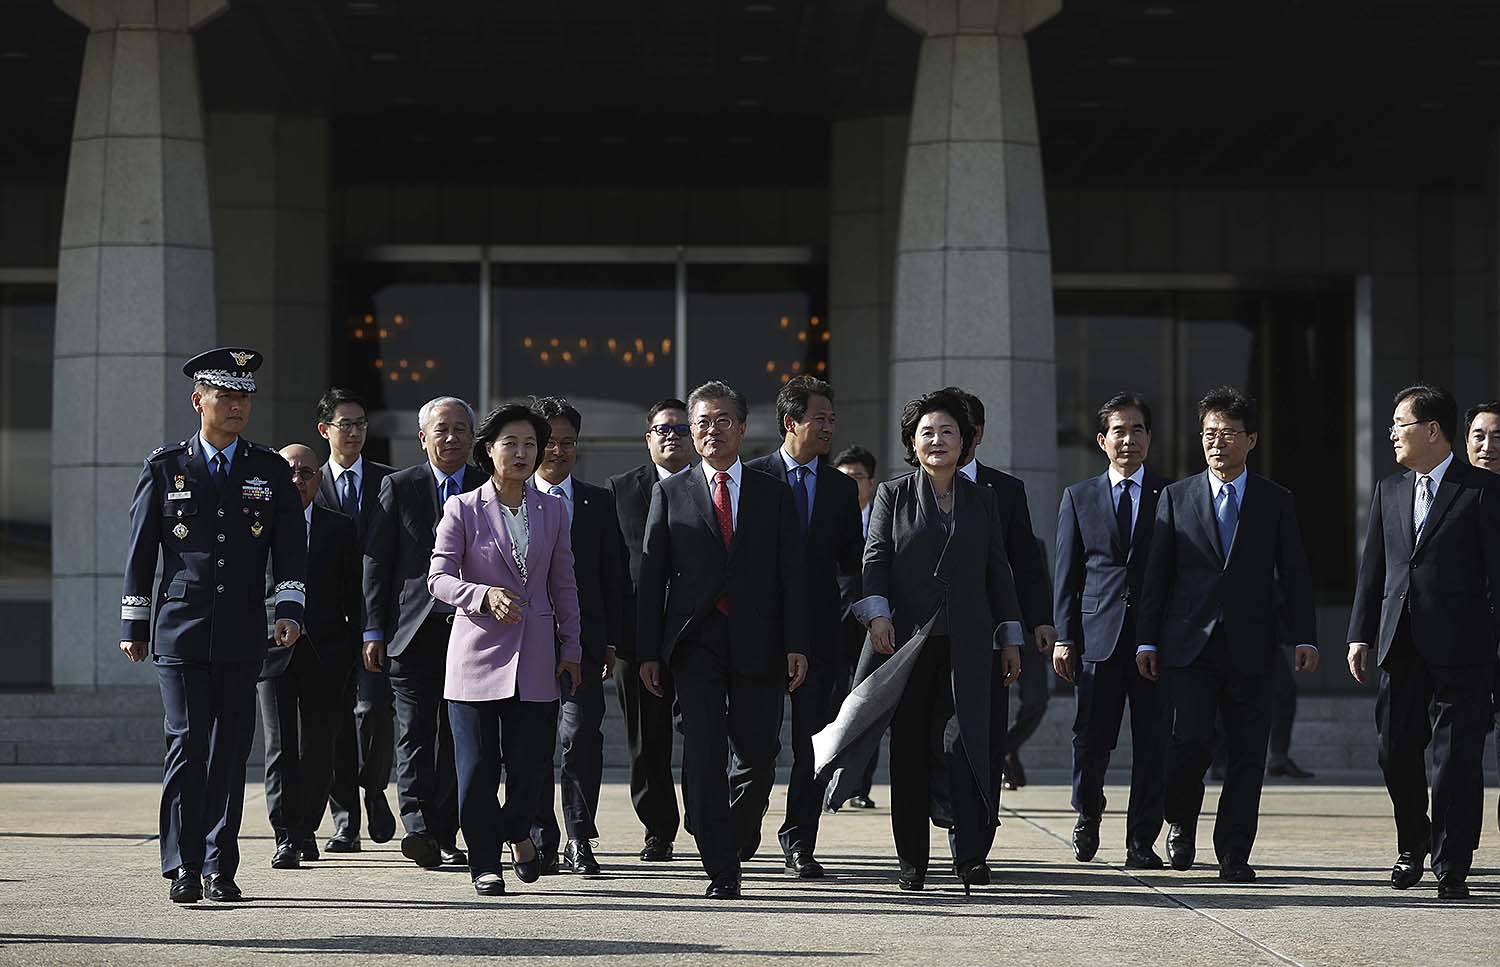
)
(722, 602)
(406, 630)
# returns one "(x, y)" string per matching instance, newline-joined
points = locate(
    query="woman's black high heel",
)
(976, 873)
(528, 871)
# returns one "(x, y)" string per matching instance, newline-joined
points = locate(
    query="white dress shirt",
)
(810, 479)
(662, 473)
(566, 487)
(864, 514)
(734, 487)
(307, 516)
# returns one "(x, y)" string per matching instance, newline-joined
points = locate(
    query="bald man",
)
(301, 687)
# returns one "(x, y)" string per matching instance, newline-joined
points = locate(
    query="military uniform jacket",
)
(213, 546)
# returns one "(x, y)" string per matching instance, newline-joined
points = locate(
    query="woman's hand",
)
(504, 604)
(882, 636)
(574, 673)
(1010, 663)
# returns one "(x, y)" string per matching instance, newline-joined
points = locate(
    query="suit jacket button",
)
(221, 538)
(221, 589)
(221, 511)
(221, 562)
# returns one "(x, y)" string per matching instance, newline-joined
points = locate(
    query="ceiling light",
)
(13, 55)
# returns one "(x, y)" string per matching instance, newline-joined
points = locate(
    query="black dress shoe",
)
(1408, 870)
(453, 856)
(802, 865)
(489, 884)
(286, 857)
(656, 850)
(911, 882)
(1182, 845)
(378, 818)
(1142, 858)
(973, 874)
(218, 887)
(422, 850)
(1236, 871)
(548, 862)
(1015, 773)
(1288, 769)
(578, 857)
(861, 802)
(187, 886)
(342, 842)
(1451, 886)
(1085, 838)
(309, 850)
(725, 886)
(527, 870)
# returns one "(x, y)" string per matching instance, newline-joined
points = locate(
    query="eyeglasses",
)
(562, 444)
(303, 473)
(721, 424)
(346, 426)
(1400, 426)
(670, 429)
(1222, 436)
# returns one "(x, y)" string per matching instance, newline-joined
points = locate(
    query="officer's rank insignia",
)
(179, 482)
(180, 531)
(257, 529)
(256, 488)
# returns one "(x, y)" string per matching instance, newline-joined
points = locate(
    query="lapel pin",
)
(180, 531)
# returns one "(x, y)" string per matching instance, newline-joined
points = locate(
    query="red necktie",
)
(725, 515)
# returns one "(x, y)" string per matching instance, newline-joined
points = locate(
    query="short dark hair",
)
(489, 432)
(1430, 403)
(945, 401)
(1488, 406)
(670, 403)
(856, 455)
(335, 397)
(974, 404)
(551, 407)
(1123, 401)
(1233, 404)
(795, 394)
(716, 389)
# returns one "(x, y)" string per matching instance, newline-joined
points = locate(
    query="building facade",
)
(1042, 201)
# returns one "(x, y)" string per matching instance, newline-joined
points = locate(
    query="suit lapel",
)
(1146, 510)
(1441, 501)
(821, 501)
(703, 499)
(1203, 511)
(325, 488)
(1104, 503)
(1249, 518)
(1406, 489)
(492, 512)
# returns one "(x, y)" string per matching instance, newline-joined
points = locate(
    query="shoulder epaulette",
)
(168, 448)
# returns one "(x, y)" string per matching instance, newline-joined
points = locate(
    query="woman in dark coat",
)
(935, 559)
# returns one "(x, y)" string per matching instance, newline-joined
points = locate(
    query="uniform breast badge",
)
(257, 529)
(180, 531)
(179, 482)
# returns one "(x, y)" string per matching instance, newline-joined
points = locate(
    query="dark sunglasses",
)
(670, 429)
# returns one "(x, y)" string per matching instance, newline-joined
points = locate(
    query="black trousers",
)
(1446, 707)
(649, 735)
(209, 723)
(1033, 688)
(1104, 688)
(425, 780)
(485, 734)
(927, 749)
(1197, 694)
(299, 711)
(580, 732)
(812, 710)
(723, 711)
(364, 748)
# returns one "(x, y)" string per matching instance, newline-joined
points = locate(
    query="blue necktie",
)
(1123, 513)
(349, 503)
(799, 497)
(1229, 518)
(221, 472)
(449, 489)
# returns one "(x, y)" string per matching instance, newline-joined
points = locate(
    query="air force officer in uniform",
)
(212, 508)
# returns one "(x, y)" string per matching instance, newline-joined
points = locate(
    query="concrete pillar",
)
(268, 175)
(973, 264)
(135, 297)
(868, 154)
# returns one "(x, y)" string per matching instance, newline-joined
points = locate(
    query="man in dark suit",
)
(407, 628)
(722, 601)
(1225, 553)
(1028, 564)
(648, 718)
(599, 568)
(1103, 538)
(827, 504)
(1425, 601)
(1483, 440)
(301, 687)
(212, 508)
(365, 745)
(859, 465)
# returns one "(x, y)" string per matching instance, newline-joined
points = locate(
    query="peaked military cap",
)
(228, 367)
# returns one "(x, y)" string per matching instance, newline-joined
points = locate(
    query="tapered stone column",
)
(135, 298)
(973, 263)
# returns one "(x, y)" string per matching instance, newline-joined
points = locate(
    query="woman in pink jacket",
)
(503, 559)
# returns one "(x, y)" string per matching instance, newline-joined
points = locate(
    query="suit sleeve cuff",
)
(1361, 644)
(1141, 648)
(868, 609)
(1009, 633)
(1308, 645)
(374, 634)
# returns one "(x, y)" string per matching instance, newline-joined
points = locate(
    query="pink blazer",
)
(488, 659)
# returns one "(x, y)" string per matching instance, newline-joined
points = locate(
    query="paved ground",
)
(78, 884)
